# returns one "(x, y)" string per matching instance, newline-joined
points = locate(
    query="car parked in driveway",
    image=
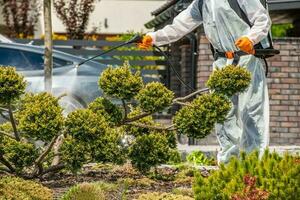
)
(80, 85)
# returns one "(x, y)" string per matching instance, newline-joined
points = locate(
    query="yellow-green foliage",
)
(102, 106)
(12, 85)
(12, 188)
(198, 119)
(107, 148)
(90, 139)
(137, 131)
(40, 117)
(20, 154)
(85, 126)
(120, 82)
(279, 176)
(74, 154)
(163, 196)
(229, 80)
(148, 151)
(155, 97)
(90, 191)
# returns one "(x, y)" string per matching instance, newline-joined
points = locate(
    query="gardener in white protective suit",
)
(246, 127)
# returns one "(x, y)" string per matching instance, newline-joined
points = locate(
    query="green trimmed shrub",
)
(12, 85)
(229, 80)
(90, 191)
(40, 117)
(164, 196)
(138, 131)
(19, 153)
(85, 126)
(149, 151)
(102, 106)
(279, 176)
(198, 119)
(154, 97)
(90, 139)
(108, 149)
(74, 154)
(12, 188)
(120, 82)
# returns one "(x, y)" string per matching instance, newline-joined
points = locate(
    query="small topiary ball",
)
(40, 116)
(85, 126)
(149, 151)
(120, 82)
(229, 80)
(198, 119)
(12, 85)
(102, 106)
(85, 191)
(155, 97)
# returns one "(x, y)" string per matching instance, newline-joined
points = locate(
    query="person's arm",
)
(183, 24)
(259, 17)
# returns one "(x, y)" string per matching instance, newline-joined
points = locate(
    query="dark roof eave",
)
(279, 5)
(274, 5)
(164, 7)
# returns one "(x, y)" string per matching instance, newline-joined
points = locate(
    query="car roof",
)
(5, 39)
(41, 49)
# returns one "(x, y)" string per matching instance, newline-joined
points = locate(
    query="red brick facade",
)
(283, 82)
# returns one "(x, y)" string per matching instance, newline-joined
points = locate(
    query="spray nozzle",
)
(135, 39)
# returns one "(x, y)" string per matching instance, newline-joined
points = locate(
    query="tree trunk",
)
(48, 46)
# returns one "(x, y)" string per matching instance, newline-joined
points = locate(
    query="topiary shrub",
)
(148, 151)
(12, 85)
(12, 188)
(229, 80)
(276, 175)
(85, 126)
(154, 97)
(89, 138)
(120, 82)
(197, 120)
(164, 196)
(40, 117)
(107, 109)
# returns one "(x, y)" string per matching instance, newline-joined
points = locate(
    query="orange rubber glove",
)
(146, 42)
(245, 44)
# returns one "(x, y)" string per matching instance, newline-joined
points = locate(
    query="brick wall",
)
(283, 82)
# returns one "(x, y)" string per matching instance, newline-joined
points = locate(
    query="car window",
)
(12, 57)
(25, 60)
(57, 62)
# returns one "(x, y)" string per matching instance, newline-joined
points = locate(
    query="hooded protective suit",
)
(247, 124)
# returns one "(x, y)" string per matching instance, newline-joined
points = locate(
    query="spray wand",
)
(136, 39)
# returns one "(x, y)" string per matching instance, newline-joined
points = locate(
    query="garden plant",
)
(251, 178)
(114, 128)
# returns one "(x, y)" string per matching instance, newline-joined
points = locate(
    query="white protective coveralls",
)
(247, 125)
